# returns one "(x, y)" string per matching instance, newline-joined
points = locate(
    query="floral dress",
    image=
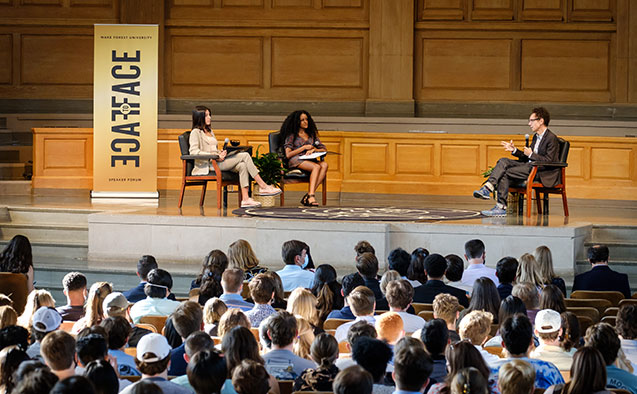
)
(319, 379)
(294, 141)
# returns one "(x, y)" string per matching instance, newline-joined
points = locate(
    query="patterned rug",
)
(381, 214)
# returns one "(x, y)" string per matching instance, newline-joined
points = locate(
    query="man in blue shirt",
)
(232, 283)
(293, 275)
(350, 282)
(412, 367)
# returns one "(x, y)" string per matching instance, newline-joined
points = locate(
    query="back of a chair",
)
(67, 326)
(158, 321)
(614, 297)
(131, 351)
(332, 324)
(286, 386)
(628, 301)
(612, 320)
(418, 307)
(593, 313)
(584, 323)
(565, 146)
(148, 327)
(275, 147)
(600, 304)
(494, 329)
(184, 148)
(15, 287)
(427, 315)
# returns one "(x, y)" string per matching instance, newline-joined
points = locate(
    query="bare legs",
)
(317, 175)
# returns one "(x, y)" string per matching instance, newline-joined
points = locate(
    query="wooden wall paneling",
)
(370, 159)
(543, 10)
(5, 2)
(496, 10)
(241, 3)
(63, 158)
(293, 3)
(83, 3)
(577, 160)
(42, 2)
(59, 12)
(441, 10)
(6, 59)
(460, 159)
(414, 159)
(611, 163)
(343, 3)
(591, 10)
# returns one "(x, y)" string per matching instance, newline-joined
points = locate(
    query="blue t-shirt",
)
(546, 373)
(125, 363)
(619, 379)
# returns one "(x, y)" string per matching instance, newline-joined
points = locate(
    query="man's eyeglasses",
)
(533, 119)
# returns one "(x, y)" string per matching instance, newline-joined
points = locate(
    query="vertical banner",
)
(125, 111)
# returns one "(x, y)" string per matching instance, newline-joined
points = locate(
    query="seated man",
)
(454, 273)
(292, 275)
(367, 266)
(601, 277)
(475, 254)
(58, 352)
(447, 308)
(399, 260)
(400, 295)
(505, 270)
(350, 282)
(516, 377)
(357, 330)
(152, 360)
(74, 285)
(118, 330)
(250, 377)
(187, 318)
(412, 368)
(517, 338)
(475, 327)
(262, 293)
(196, 342)
(114, 305)
(362, 302)
(389, 327)
(281, 362)
(548, 327)
(373, 355)
(92, 347)
(353, 380)
(146, 264)
(603, 337)
(626, 327)
(544, 148)
(435, 267)
(45, 321)
(156, 302)
(232, 284)
(436, 338)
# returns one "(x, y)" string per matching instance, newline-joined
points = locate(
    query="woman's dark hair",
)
(485, 297)
(207, 371)
(509, 307)
(9, 364)
(455, 267)
(292, 124)
(588, 371)
(159, 281)
(34, 377)
(571, 332)
(239, 344)
(327, 290)
(552, 298)
(324, 350)
(416, 269)
(461, 355)
(103, 377)
(72, 385)
(210, 278)
(310, 262)
(199, 118)
(16, 256)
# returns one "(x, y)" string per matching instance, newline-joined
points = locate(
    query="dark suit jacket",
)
(602, 278)
(548, 151)
(427, 292)
(137, 293)
(177, 362)
(374, 286)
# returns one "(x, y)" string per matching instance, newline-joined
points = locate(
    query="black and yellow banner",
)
(125, 111)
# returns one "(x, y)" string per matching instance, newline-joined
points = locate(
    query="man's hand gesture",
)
(508, 146)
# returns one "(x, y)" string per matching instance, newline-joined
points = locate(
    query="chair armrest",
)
(199, 157)
(556, 164)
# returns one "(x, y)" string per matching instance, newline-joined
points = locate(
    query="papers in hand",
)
(312, 155)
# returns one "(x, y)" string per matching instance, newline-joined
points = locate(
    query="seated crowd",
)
(247, 329)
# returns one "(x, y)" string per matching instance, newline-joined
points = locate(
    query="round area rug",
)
(382, 214)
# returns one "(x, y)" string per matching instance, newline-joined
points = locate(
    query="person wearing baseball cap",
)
(152, 360)
(115, 304)
(45, 320)
(548, 327)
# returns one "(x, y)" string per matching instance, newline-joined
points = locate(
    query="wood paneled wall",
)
(392, 163)
(387, 54)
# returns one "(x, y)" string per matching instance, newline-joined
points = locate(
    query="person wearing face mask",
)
(294, 254)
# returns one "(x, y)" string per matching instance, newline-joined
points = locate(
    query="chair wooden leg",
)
(564, 202)
(520, 204)
(538, 202)
(545, 200)
(219, 195)
(203, 194)
(181, 195)
(325, 191)
(282, 201)
(529, 201)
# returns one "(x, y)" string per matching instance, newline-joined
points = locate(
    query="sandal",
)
(311, 204)
(250, 204)
(270, 191)
(304, 200)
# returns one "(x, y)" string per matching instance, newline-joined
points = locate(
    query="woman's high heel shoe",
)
(304, 200)
(311, 204)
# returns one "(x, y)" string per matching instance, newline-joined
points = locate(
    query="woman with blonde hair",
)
(35, 300)
(232, 318)
(545, 270)
(528, 271)
(212, 312)
(8, 316)
(386, 278)
(303, 303)
(94, 311)
(304, 338)
(241, 255)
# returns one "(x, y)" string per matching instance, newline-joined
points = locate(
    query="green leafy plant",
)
(270, 167)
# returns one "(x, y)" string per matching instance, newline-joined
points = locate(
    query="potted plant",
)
(271, 170)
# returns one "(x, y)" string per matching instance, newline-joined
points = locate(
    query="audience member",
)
(435, 267)
(328, 292)
(367, 266)
(447, 308)
(435, 336)
(469, 381)
(91, 346)
(94, 312)
(529, 295)
(349, 283)
(187, 318)
(390, 328)
(212, 312)
(118, 330)
(416, 271)
(34, 377)
(17, 258)
(14, 335)
(474, 253)
(626, 327)
(357, 330)
(400, 295)
(158, 285)
(279, 299)
(548, 327)
(544, 260)
(484, 297)
(475, 327)
(505, 270)
(373, 355)
(45, 321)
(324, 352)
(459, 356)
(303, 303)
(196, 342)
(103, 377)
(516, 377)
(281, 362)
(528, 271)
(588, 374)
(293, 275)
(571, 337)
(398, 260)
(455, 270)
(552, 298)
(152, 360)
(231, 319)
(207, 371)
(362, 302)
(412, 368)
(363, 247)
(517, 335)
(115, 304)
(353, 380)
(35, 300)
(146, 264)
(5, 300)
(250, 377)
(508, 307)
(603, 337)
(241, 256)
(601, 277)
(388, 276)
(73, 385)
(262, 292)
(74, 288)
(304, 338)
(209, 283)
(146, 387)
(232, 283)
(58, 352)
(10, 359)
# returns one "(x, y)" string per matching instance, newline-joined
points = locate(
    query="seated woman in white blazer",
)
(203, 142)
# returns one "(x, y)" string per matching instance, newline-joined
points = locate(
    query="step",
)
(12, 171)
(15, 187)
(45, 231)
(54, 248)
(602, 233)
(48, 215)
(619, 249)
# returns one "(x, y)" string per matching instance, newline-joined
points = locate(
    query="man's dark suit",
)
(508, 169)
(137, 293)
(602, 278)
(427, 292)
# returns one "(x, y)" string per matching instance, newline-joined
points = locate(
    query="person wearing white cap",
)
(153, 359)
(548, 327)
(45, 320)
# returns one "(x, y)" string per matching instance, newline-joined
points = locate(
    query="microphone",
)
(526, 138)
(227, 141)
